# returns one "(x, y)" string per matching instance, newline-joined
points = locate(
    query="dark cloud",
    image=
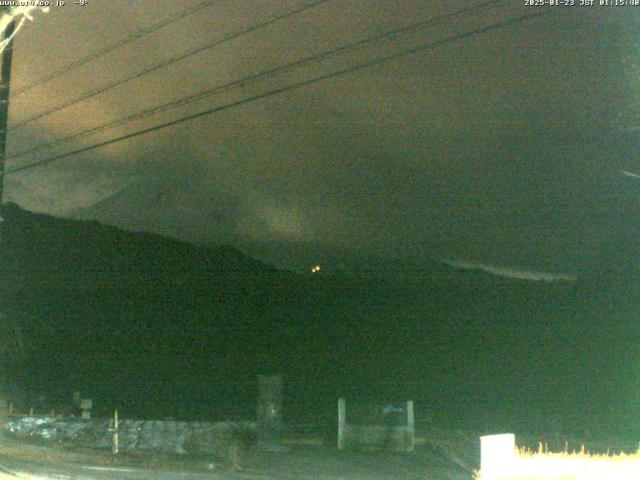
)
(502, 146)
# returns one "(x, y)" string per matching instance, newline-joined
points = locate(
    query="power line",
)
(188, 53)
(262, 75)
(287, 88)
(138, 34)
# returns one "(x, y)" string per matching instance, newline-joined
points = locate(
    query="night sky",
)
(508, 148)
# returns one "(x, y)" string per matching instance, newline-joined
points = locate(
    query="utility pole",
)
(5, 79)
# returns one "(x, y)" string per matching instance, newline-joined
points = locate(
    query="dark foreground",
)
(295, 462)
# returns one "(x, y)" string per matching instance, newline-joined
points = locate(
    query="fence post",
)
(115, 447)
(411, 426)
(497, 453)
(342, 420)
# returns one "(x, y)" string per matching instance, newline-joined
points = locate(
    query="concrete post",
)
(411, 426)
(86, 404)
(269, 412)
(342, 421)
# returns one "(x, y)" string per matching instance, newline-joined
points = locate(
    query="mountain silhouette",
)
(159, 327)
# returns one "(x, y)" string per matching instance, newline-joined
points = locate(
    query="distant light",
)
(315, 269)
